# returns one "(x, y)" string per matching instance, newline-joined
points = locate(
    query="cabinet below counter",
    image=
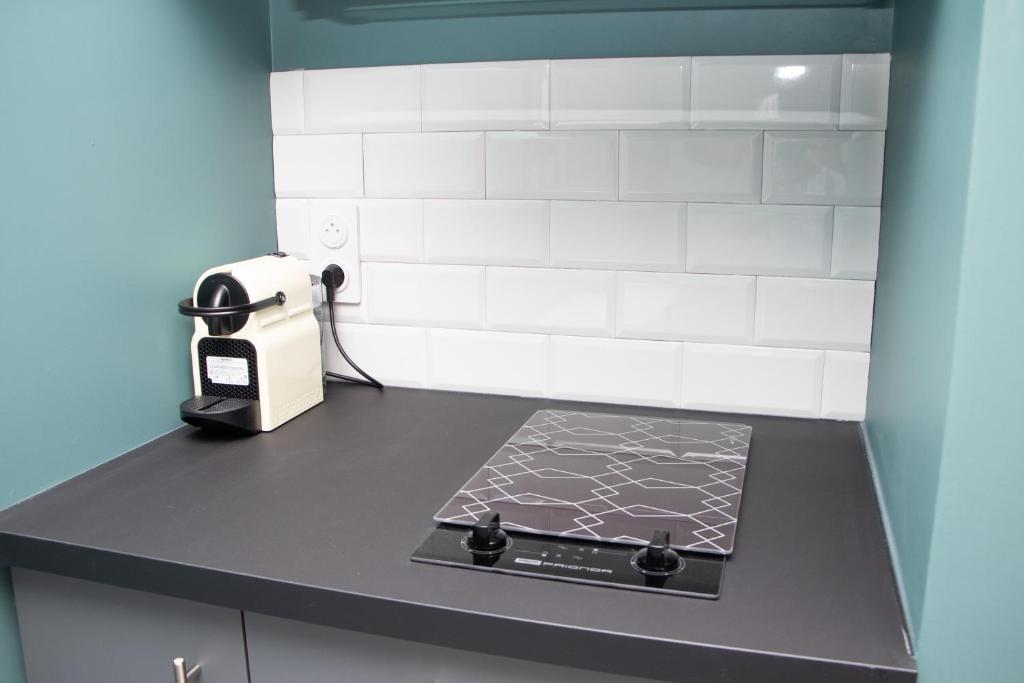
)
(74, 630)
(285, 556)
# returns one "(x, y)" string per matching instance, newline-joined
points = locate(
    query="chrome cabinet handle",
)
(183, 674)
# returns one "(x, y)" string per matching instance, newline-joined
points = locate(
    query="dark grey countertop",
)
(316, 521)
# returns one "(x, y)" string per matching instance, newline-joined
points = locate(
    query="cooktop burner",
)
(613, 478)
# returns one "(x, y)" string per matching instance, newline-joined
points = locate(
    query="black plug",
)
(332, 278)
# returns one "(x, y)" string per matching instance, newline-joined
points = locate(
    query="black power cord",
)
(332, 278)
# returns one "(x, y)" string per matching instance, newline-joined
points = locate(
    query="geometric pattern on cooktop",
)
(613, 478)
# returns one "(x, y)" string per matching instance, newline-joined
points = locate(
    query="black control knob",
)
(658, 558)
(487, 535)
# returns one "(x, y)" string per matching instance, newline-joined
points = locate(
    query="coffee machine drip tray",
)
(613, 478)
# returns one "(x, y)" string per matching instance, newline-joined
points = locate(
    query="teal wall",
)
(924, 200)
(313, 34)
(973, 619)
(945, 398)
(136, 152)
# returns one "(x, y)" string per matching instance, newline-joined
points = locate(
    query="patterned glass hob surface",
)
(614, 478)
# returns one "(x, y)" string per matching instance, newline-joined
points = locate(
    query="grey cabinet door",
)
(83, 632)
(283, 651)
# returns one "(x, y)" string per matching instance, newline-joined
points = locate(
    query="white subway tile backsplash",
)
(318, 165)
(365, 100)
(391, 230)
(395, 356)
(490, 362)
(699, 166)
(823, 168)
(293, 227)
(554, 301)
(413, 294)
(745, 379)
(286, 112)
(493, 232)
(554, 165)
(616, 370)
(428, 165)
(620, 93)
(759, 239)
(671, 231)
(845, 388)
(625, 235)
(865, 99)
(757, 92)
(855, 242)
(813, 313)
(713, 308)
(486, 96)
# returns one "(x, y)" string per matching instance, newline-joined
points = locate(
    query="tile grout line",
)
(689, 94)
(753, 323)
(821, 388)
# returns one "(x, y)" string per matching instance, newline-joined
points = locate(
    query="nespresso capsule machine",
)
(256, 347)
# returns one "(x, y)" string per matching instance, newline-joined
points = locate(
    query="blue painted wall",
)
(136, 152)
(314, 34)
(973, 619)
(927, 159)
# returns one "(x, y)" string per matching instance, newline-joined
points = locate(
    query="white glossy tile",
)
(552, 301)
(795, 92)
(747, 379)
(855, 242)
(620, 93)
(823, 168)
(414, 294)
(364, 100)
(489, 362)
(865, 100)
(758, 239)
(616, 371)
(391, 230)
(318, 165)
(293, 227)
(286, 111)
(845, 390)
(627, 235)
(813, 313)
(393, 355)
(699, 166)
(486, 96)
(569, 165)
(712, 308)
(491, 232)
(424, 165)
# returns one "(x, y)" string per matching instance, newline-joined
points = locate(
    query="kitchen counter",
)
(316, 521)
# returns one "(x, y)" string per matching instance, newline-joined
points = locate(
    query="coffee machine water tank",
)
(256, 346)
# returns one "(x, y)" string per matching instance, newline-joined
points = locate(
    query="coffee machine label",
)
(222, 370)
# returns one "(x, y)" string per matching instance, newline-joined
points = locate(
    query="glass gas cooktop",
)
(613, 478)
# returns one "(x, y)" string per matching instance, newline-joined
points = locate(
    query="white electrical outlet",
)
(334, 231)
(334, 224)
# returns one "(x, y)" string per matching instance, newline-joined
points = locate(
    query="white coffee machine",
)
(256, 346)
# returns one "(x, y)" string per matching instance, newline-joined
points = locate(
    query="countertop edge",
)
(563, 645)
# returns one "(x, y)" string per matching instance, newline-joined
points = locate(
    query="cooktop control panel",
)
(655, 567)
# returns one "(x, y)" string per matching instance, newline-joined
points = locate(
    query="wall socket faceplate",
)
(334, 238)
